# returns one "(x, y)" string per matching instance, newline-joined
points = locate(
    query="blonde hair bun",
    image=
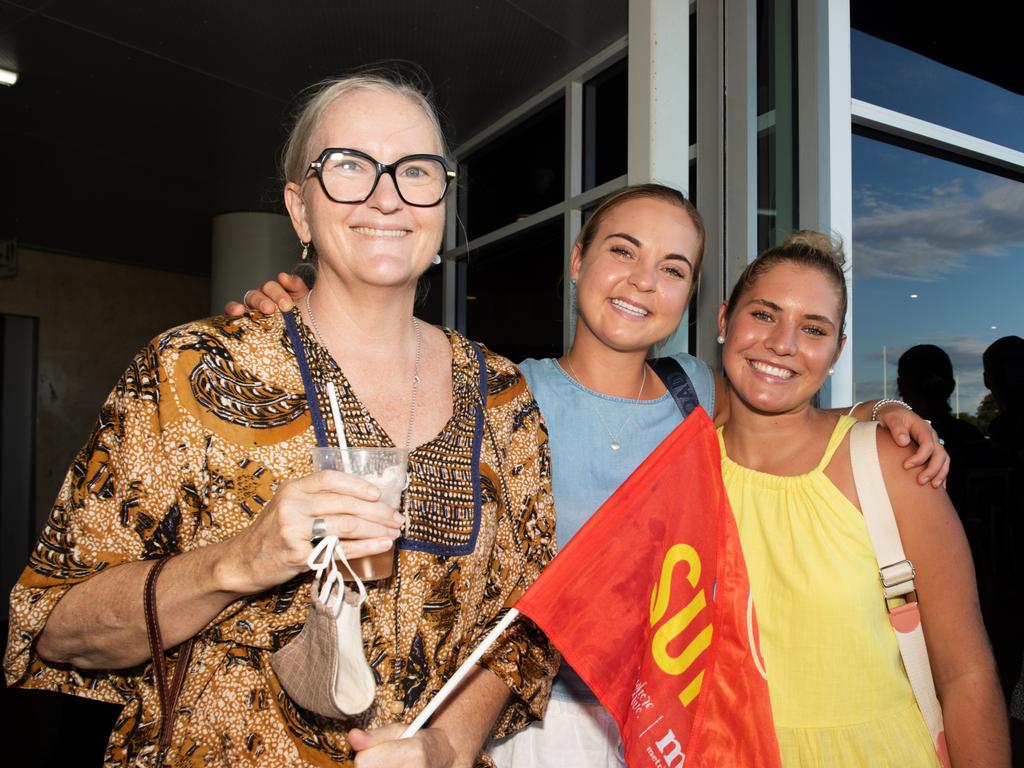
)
(829, 245)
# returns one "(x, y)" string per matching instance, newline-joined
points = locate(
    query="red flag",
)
(650, 604)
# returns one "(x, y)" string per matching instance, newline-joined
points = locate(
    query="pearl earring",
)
(720, 339)
(831, 371)
(305, 250)
(437, 258)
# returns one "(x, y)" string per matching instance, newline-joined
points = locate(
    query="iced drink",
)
(386, 468)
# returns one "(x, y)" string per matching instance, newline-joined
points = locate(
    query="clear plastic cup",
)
(386, 468)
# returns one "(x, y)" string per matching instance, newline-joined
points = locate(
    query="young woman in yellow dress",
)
(840, 697)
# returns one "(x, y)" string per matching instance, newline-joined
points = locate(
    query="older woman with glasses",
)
(200, 461)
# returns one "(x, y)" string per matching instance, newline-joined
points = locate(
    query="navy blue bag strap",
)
(319, 426)
(677, 383)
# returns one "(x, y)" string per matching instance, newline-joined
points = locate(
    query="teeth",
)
(771, 370)
(630, 308)
(380, 232)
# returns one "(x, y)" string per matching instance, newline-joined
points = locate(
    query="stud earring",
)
(437, 258)
(572, 281)
(831, 371)
(305, 250)
(720, 339)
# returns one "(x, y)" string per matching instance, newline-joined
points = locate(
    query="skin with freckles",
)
(383, 241)
(781, 337)
(369, 258)
(634, 282)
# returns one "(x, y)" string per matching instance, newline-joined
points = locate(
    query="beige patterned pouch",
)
(324, 668)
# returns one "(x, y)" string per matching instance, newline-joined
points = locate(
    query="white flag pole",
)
(461, 672)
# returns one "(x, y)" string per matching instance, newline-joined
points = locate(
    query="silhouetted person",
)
(1003, 362)
(980, 485)
(925, 380)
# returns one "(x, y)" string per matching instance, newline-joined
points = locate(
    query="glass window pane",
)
(514, 291)
(938, 258)
(898, 78)
(693, 78)
(429, 295)
(518, 173)
(776, 122)
(604, 126)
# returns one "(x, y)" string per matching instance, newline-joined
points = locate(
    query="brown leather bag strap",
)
(168, 698)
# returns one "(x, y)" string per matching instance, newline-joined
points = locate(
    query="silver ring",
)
(245, 297)
(319, 530)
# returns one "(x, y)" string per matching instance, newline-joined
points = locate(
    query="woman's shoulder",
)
(504, 379)
(220, 331)
(496, 363)
(693, 366)
(702, 378)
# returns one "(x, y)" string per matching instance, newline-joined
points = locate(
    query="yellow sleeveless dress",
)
(840, 697)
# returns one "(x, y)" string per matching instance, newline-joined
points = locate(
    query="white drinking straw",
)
(339, 425)
(460, 673)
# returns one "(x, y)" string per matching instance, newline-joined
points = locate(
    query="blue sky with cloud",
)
(950, 235)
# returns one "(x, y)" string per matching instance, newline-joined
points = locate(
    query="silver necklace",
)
(415, 370)
(614, 437)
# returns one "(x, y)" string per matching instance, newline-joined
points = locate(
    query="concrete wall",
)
(93, 317)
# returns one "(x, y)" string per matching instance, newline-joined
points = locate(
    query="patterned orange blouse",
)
(192, 443)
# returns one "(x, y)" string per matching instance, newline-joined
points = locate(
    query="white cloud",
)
(928, 234)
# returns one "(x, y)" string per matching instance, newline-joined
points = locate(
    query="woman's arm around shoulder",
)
(958, 648)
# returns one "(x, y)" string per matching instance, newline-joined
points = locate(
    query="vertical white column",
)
(449, 266)
(826, 157)
(248, 247)
(740, 198)
(572, 220)
(659, 126)
(710, 172)
(659, 76)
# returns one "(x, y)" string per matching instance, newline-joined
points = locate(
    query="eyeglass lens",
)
(349, 178)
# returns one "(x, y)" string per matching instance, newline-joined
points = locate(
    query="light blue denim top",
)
(586, 471)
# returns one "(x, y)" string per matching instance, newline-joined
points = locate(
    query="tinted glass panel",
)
(429, 295)
(519, 173)
(938, 256)
(513, 294)
(776, 122)
(693, 78)
(604, 126)
(900, 79)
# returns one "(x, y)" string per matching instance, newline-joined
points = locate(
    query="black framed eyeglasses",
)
(351, 176)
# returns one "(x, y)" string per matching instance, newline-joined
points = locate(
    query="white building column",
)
(825, 146)
(248, 248)
(658, 127)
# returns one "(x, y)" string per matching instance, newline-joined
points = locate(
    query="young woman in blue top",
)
(633, 271)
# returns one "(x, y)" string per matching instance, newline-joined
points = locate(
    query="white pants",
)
(570, 735)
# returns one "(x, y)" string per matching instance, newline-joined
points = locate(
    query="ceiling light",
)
(8, 77)
(995, 327)
(913, 295)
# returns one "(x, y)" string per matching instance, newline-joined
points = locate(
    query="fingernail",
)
(395, 534)
(399, 518)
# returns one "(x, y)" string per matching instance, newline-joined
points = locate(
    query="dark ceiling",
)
(980, 38)
(133, 123)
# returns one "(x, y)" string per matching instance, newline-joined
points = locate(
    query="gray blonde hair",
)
(319, 97)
